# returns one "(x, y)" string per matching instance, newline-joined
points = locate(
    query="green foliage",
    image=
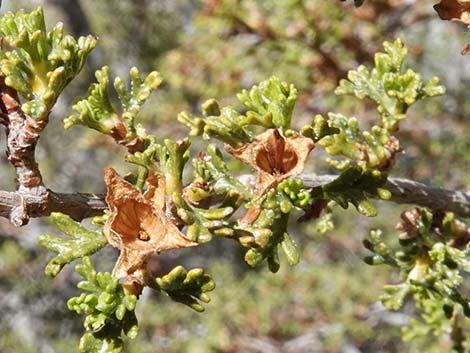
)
(186, 287)
(40, 64)
(83, 242)
(394, 89)
(270, 104)
(388, 84)
(211, 168)
(431, 261)
(268, 232)
(226, 125)
(297, 195)
(97, 112)
(108, 309)
(202, 223)
(253, 304)
(263, 231)
(173, 157)
(319, 129)
(354, 186)
(325, 222)
(372, 149)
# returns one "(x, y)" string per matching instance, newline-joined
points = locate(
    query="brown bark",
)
(15, 205)
(22, 132)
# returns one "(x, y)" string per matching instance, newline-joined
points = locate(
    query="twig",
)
(13, 205)
(407, 191)
(80, 206)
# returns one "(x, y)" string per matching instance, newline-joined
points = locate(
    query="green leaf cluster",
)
(108, 308)
(82, 242)
(211, 169)
(394, 88)
(186, 287)
(355, 186)
(97, 112)
(270, 105)
(268, 232)
(390, 85)
(40, 64)
(432, 259)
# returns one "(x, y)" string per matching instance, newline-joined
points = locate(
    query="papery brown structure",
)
(120, 134)
(137, 224)
(457, 10)
(274, 156)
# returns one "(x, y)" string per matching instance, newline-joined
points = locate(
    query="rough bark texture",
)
(78, 206)
(22, 134)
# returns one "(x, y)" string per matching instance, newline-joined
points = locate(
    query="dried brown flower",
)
(137, 224)
(274, 156)
(457, 10)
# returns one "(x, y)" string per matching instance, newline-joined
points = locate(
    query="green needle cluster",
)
(270, 105)
(355, 186)
(97, 112)
(389, 84)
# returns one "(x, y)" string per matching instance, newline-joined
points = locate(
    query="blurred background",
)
(215, 48)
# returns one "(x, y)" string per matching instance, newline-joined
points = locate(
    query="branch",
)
(22, 136)
(80, 206)
(77, 205)
(405, 191)
(22, 133)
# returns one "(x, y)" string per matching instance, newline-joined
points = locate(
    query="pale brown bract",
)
(274, 156)
(137, 224)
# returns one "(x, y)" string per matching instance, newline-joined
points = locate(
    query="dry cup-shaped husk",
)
(274, 156)
(137, 224)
